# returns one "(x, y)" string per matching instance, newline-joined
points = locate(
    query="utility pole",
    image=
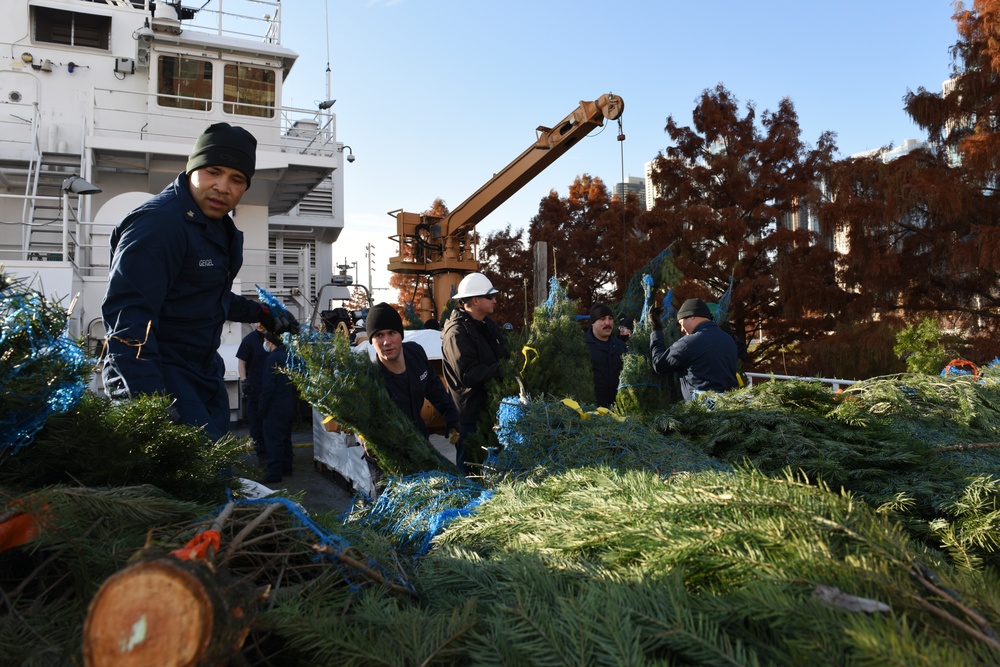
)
(370, 254)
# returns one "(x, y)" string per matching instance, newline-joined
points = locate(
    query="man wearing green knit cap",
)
(169, 294)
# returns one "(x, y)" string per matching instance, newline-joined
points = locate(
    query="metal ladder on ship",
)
(43, 217)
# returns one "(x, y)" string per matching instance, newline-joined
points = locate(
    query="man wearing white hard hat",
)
(472, 346)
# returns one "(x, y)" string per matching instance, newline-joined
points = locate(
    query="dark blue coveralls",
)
(277, 405)
(252, 353)
(169, 295)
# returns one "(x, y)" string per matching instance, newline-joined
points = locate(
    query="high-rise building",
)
(636, 185)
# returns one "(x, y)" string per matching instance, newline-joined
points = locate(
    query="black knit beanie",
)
(599, 311)
(694, 308)
(223, 145)
(383, 316)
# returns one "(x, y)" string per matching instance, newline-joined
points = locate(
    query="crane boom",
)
(442, 247)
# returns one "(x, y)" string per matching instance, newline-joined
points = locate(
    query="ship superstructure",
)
(100, 104)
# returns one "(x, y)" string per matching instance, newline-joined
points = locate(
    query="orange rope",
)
(17, 530)
(956, 363)
(199, 545)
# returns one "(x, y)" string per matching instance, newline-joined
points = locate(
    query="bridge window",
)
(184, 83)
(72, 28)
(249, 91)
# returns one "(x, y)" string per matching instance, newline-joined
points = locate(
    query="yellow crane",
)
(442, 248)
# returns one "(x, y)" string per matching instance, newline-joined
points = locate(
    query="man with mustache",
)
(606, 353)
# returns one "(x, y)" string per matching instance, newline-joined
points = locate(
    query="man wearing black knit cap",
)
(173, 261)
(407, 373)
(705, 357)
(605, 354)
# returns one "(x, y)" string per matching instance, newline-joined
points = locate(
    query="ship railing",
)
(265, 24)
(34, 165)
(126, 115)
(289, 275)
(262, 23)
(836, 384)
(74, 244)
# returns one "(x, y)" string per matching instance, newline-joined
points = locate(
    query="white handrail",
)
(835, 383)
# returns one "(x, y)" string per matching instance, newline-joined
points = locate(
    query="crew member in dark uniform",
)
(173, 261)
(606, 353)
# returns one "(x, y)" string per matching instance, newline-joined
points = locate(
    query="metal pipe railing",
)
(835, 383)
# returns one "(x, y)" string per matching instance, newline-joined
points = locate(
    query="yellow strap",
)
(602, 412)
(524, 351)
(573, 405)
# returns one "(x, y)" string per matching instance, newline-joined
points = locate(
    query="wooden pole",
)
(541, 272)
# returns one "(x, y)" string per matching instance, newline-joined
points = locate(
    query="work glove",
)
(654, 315)
(246, 388)
(277, 323)
(453, 435)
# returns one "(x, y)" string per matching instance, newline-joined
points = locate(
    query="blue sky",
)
(435, 96)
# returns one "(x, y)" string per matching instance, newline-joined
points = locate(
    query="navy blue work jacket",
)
(705, 359)
(606, 361)
(169, 294)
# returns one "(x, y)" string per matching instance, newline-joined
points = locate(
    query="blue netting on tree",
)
(42, 370)
(669, 312)
(414, 508)
(510, 411)
(722, 308)
(636, 295)
(557, 295)
(330, 546)
(272, 302)
(276, 307)
(647, 290)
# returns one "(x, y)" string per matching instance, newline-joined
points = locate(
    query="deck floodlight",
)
(79, 186)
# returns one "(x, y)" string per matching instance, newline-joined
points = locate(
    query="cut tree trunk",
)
(170, 613)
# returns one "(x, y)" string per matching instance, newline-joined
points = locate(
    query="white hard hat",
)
(474, 284)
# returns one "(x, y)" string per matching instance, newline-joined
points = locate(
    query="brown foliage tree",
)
(922, 238)
(359, 299)
(584, 236)
(728, 194)
(964, 118)
(506, 261)
(923, 231)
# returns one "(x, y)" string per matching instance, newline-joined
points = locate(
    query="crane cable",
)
(621, 146)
